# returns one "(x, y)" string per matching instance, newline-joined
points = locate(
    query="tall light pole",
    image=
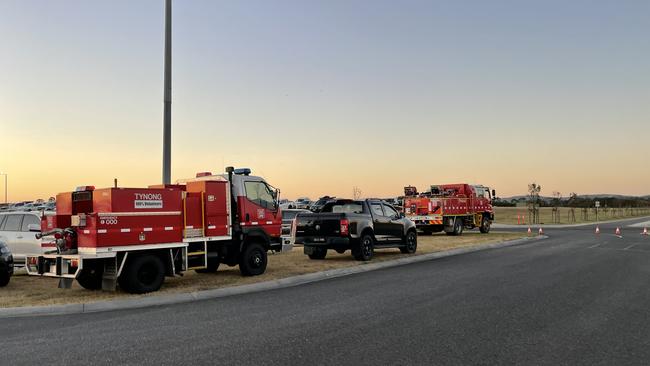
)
(167, 116)
(5, 174)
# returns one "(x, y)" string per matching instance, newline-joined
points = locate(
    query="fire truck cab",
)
(135, 237)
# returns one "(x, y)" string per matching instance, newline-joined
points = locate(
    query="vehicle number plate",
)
(319, 240)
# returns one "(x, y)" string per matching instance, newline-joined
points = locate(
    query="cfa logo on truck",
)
(148, 200)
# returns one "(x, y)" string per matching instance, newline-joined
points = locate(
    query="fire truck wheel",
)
(142, 274)
(253, 260)
(90, 277)
(318, 253)
(411, 243)
(213, 266)
(364, 250)
(485, 226)
(458, 227)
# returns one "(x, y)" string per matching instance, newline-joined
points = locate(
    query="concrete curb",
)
(566, 226)
(144, 302)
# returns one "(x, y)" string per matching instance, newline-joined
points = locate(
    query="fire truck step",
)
(196, 253)
(199, 267)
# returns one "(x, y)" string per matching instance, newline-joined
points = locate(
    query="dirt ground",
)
(24, 290)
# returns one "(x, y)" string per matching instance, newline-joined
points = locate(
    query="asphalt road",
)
(575, 298)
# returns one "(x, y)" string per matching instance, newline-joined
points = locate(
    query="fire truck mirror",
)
(494, 193)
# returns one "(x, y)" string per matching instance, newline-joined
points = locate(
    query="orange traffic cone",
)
(597, 230)
(529, 231)
(645, 231)
(618, 232)
(541, 232)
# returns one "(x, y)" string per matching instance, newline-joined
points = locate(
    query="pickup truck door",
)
(395, 224)
(380, 222)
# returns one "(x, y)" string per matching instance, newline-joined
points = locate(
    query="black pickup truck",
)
(356, 225)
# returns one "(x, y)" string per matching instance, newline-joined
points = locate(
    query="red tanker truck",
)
(450, 208)
(135, 237)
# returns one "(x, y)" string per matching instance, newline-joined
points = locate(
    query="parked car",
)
(318, 205)
(50, 206)
(18, 230)
(356, 225)
(30, 207)
(303, 203)
(6, 264)
(18, 206)
(286, 204)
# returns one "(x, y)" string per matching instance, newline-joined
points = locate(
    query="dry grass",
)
(508, 215)
(26, 290)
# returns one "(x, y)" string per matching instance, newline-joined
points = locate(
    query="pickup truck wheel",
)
(253, 260)
(365, 248)
(145, 273)
(411, 243)
(90, 278)
(318, 253)
(4, 279)
(485, 226)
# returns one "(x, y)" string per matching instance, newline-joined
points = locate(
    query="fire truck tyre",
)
(427, 232)
(4, 279)
(213, 266)
(364, 250)
(143, 274)
(90, 277)
(253, 260)
(318, 253)
(458, 227)
(485, 226)
(411, 243)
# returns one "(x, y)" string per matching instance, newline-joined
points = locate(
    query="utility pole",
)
(167, 117)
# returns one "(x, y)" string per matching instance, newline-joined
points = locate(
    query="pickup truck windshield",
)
(347, 207)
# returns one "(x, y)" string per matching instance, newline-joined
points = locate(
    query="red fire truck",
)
(450, 208)
(135, 237)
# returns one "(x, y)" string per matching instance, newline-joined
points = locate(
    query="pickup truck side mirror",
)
(401, 215)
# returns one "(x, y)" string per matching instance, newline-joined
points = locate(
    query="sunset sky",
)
(321, 96)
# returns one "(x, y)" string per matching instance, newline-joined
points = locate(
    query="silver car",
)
(18, 230)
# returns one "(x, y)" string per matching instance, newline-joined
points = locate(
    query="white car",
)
(287, 205)
(18, 230)
(303, 203)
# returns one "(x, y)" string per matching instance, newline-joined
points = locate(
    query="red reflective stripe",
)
(48, 245)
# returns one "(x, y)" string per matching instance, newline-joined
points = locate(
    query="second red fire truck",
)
(135, 237)
(450, 208)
